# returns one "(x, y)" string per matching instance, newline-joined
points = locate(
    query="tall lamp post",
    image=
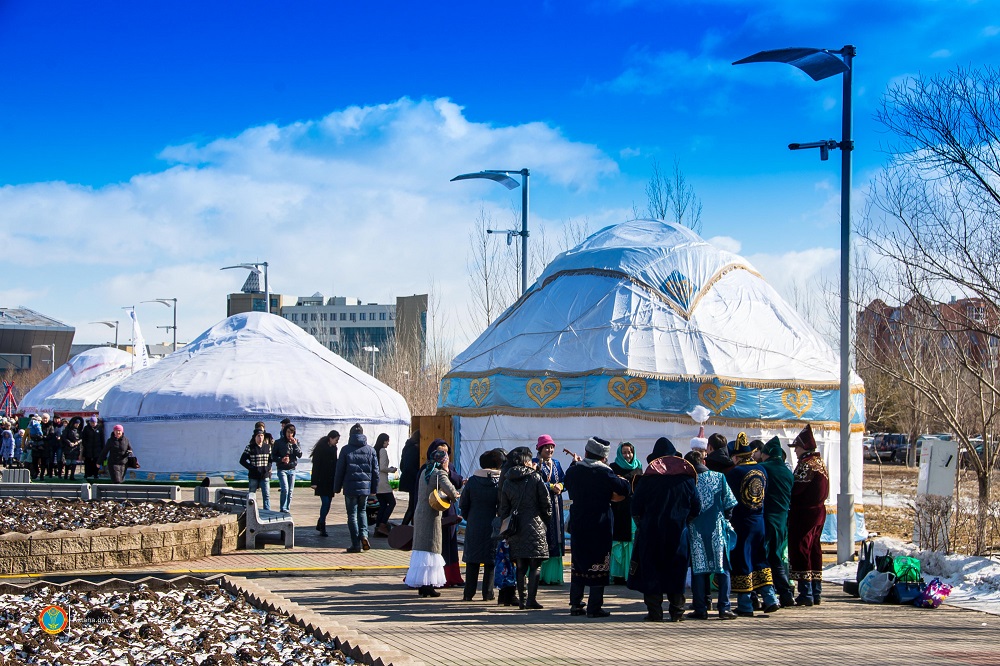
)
(256, 268)
(110, 323)
(52, 352)
(170, 303)
(820, 64)
(502, 176)
(373, 350)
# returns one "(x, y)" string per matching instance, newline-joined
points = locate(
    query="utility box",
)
(935, 494)
(938, 468)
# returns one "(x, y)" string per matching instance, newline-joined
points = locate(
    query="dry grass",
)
(897, 484)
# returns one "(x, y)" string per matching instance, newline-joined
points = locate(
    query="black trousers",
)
(472, 579)
(411, 506)
(594, 601)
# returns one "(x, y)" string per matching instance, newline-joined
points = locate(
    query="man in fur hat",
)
(806, 517)
(751, 572)
(592, 486)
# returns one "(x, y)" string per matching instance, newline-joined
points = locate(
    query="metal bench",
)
(62, 490)
(136, 491)
(258, 523)
(15, 476)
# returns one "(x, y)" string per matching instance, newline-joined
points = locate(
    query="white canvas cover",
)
(626, 333)
(82, 368)
(86, 397)
(193, 412)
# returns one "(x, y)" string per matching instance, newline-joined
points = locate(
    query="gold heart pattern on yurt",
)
(478, 389)
(627, 390)
(543, 390)
(798, 401)
(717, 398)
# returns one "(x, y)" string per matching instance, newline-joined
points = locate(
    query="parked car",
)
(890, 447)
(978, 447)
(869, 449)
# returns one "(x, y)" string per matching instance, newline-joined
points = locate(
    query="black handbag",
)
(510, 524)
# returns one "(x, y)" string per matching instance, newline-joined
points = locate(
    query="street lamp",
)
(52, 351)
(374, 350)
(110, 323)
(255, 268)
(502, 176)
(820, 64)
(169, 302)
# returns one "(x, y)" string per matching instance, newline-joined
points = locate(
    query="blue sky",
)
(145, 145)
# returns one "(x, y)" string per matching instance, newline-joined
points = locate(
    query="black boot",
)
(805, 597)
(532, 603)
(520, 593)
(817, 589)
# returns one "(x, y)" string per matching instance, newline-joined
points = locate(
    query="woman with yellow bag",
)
(435, 493)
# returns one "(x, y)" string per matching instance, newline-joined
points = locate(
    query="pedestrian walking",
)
(117, 450)
(256, 459)
(409, 467)
(480, 502)
(806, 516)
(664, 502)
(386, 499)
(286, 453)
(426, 563)
(324, 472)
(592, 487)
(357, 477)
(93, 442)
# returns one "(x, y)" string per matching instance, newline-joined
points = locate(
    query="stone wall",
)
(116, 548)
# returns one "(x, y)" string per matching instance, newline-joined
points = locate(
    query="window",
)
(312, 330)
(354, 316)
(976, 313)
(381, 316)
(322, 330)
(294, 316)
(331, 346)
(312, 316)
(322, 316)
(343, 316)
(333, 330)
(392, 315)
(363, 316)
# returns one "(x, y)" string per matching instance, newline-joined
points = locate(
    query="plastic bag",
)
(876, 585)
(907, 569)
(933, 594)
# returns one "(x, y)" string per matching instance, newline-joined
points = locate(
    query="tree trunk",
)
(983, 513)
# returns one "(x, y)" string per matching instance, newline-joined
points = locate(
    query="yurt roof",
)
(80, 369)
(254, 364)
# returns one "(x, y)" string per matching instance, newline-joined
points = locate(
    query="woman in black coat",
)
(479, 503)
(409, 467)
(524, 491)
(324, 469)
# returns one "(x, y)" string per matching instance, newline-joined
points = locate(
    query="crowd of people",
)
(52, 447)
(726, 513)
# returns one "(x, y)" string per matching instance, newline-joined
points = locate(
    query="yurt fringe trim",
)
(646, 416)
(697, 379)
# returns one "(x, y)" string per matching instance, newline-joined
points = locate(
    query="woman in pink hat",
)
(551, 572)
(116, 453)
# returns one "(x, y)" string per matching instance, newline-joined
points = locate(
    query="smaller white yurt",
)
(80, 369)
(86, 397)
(192, 414)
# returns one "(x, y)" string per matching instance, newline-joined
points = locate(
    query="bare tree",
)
(931, 222)
(671, 197)
(486, 275)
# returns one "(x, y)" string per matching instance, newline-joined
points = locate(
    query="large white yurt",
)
(626, 333)
(82, 368)
(192, 414)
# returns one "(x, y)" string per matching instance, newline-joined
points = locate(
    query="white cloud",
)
(941, 53)
(357, 203)
(991, 30)
(727, 243)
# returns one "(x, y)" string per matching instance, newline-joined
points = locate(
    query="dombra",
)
(438, 500)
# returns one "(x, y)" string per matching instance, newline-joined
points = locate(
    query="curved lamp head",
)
(496, 176)
(817, 63)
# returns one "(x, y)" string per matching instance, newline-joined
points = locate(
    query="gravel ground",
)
(187, 625)
(48, 515)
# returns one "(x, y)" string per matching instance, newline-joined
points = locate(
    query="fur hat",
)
(598, 447)
(805, 439)
(700, 443)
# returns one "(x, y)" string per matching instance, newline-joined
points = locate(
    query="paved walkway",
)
(373, 601)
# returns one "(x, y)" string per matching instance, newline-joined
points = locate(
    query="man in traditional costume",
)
(776, 502)
(751, 572)
(806, 517)
(665, 500)
(709, 532)
(592, 486)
